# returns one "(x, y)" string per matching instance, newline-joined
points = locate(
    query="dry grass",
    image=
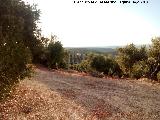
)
(34, 101)
(65, 96)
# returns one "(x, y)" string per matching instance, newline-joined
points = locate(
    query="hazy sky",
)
(100, 24)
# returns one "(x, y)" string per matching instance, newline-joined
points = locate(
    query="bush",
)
(115, 69)
(55, 55)
(158, 76)
(98, 63)
(101, 64)
(13, 66)
(107, 65)
(17, 40)
(84, 66)
(139, 69)
(129, 55)
(154, 58)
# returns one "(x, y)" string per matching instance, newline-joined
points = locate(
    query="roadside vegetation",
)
(22, 46)
(130, 62)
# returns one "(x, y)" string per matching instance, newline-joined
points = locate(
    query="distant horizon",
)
(112, 46)
(81, 25)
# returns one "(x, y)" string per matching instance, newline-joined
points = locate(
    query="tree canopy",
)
(18, 41)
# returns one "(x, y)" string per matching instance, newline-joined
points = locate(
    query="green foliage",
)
(106, 64)
(154, 58)
(84, 66)
(158, 76)
(55, 55)
(154, 50)
(138, 63)
(14, 58)
(18, 18)
(96, 50)
(128, 56)
(99, 63)
(65, 63)
(17, 38)
(139, 69)
(115, 69)
(74, 67)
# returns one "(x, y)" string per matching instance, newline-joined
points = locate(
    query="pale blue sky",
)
(80, 25)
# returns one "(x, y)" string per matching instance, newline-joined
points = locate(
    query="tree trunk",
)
(154, 73)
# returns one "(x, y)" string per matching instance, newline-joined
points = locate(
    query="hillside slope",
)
(64, 96)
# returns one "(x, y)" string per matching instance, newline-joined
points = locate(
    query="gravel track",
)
(105, 99)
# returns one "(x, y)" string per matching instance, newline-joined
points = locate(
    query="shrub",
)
(107, 65)
(84, 66)
(55, 55)
(139, 69)
(98, 63)
(13, 66)
(154, 53)
(17, 42)
(158, 76)
(115, 69)
(129, 55)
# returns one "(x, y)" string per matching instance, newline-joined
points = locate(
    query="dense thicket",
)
(20, 19)
(17, 41)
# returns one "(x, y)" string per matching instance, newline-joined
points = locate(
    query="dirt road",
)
(106, 99)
